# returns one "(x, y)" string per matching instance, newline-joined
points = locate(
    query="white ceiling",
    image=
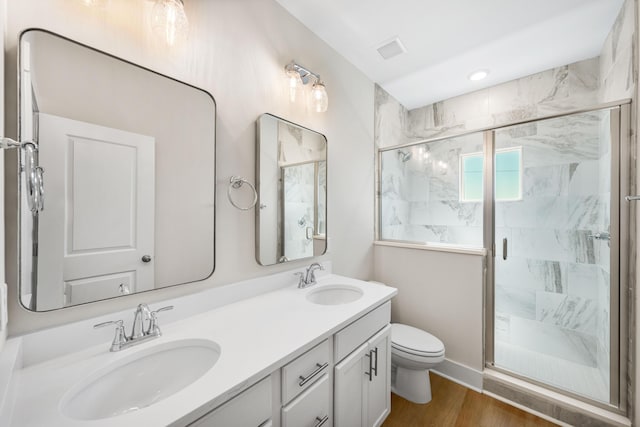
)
(446, 40)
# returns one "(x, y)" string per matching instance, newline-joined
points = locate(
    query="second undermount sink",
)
(334, 294)
(145, 378)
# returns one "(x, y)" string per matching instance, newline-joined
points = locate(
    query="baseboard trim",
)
(460, 374)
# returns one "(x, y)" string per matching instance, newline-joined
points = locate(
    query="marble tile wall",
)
(617, 74)
(420, 194)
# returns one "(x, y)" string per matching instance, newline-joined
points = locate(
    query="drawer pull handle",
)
(313, 374)
(370, 373)
(321, 421)
(375, 369)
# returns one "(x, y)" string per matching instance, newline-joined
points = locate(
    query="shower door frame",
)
(619, 254)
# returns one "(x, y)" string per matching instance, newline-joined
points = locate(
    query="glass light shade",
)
(97, 3)
(294, 85)
(169, 22)
(319, 97)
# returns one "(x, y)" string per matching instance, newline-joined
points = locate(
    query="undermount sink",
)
(145, 378)
(334, 295)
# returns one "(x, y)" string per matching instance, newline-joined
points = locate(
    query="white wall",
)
(439, 292)
(236, 51)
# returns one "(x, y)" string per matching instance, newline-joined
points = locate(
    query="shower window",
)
(508, 175)
(421, 192)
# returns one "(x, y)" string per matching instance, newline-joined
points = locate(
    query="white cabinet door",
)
(363, 384)
(379, 399)
(350, 389)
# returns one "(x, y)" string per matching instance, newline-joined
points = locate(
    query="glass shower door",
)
(555, 279)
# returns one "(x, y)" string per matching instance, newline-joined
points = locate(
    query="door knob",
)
(146, 258)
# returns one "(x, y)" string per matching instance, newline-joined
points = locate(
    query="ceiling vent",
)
(391, 48)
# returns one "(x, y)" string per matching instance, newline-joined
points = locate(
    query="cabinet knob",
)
(146, 258)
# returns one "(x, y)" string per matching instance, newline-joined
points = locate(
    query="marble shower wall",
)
(557, 90)
(421, 194)
(617, 73)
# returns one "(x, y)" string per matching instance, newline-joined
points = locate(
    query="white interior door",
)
(98, 223)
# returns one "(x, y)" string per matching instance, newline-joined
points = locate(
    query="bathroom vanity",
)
(280, 356)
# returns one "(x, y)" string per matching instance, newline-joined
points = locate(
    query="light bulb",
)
(319, 97)
(169, 22)
(295, 84)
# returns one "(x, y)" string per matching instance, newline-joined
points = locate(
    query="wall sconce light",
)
(169, 21)
(298, 76)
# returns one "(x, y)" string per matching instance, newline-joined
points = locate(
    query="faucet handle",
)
(154, 329)
(119, 338)
(118, 323)
(300, 278)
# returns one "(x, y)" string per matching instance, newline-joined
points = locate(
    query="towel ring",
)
(235, 182)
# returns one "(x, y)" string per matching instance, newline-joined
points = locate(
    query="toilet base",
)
(413, 385)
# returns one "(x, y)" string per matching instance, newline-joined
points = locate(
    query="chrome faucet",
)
(139, 333)
(308, 278)
(142, 315)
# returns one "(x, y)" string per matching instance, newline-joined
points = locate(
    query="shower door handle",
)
(504, 248)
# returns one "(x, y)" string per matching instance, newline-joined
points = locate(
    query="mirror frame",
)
(258, 186)
(19, 179)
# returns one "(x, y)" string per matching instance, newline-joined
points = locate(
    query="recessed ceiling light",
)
(478, 75)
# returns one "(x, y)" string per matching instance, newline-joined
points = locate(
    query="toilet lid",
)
(414, 340)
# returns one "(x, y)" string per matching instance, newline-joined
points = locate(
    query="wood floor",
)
(453, 405)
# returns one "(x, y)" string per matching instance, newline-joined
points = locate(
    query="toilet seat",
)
(415, 342)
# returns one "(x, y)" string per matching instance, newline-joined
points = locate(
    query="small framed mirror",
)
(291, 171)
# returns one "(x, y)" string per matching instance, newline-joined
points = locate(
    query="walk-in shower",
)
(543, 197)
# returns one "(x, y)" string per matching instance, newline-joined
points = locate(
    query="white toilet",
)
(413, 353)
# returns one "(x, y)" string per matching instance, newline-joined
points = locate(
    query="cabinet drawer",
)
(250, 408)
(351, 337)
(311, 408)
(301, 373)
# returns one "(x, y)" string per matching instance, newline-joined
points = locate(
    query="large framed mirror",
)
(129, 161)
(291, 171)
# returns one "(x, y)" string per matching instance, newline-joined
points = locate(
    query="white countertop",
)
(256, 336)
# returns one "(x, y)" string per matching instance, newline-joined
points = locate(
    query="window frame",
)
(481, 154)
